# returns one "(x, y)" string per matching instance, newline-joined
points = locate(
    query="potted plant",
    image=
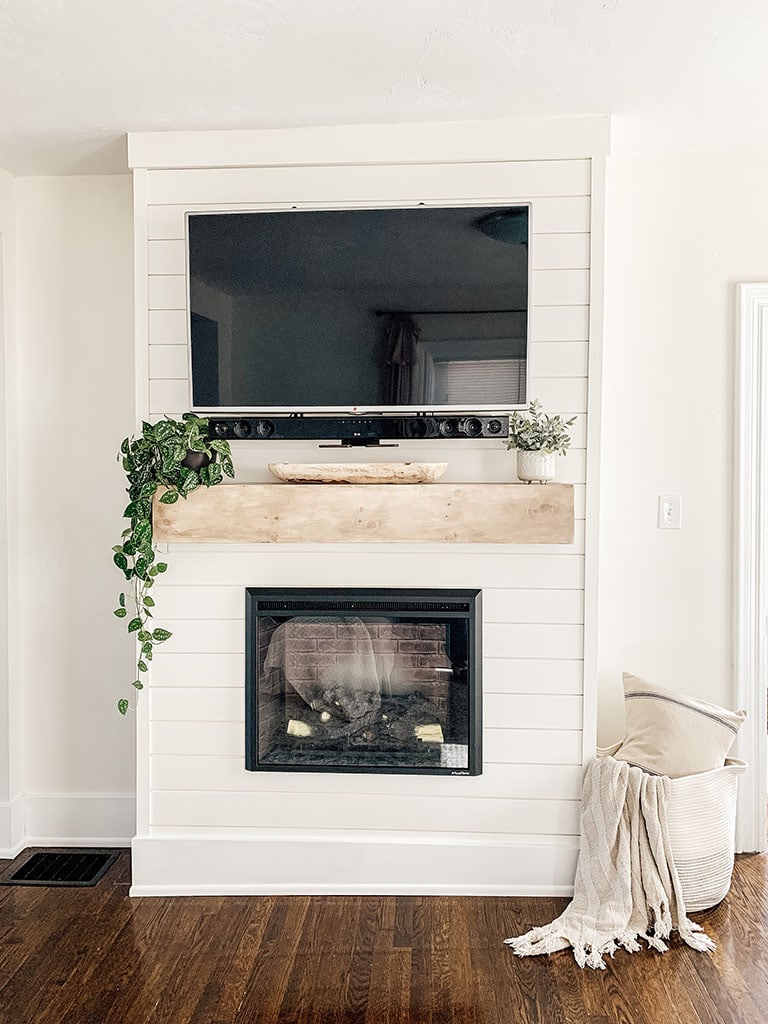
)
(538, 438)
(179, 456)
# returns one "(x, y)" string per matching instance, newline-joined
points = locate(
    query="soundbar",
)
(354, 431)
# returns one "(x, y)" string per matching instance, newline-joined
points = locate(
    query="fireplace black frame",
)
(438, 604)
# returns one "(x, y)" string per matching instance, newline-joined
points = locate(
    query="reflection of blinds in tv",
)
(480, 382)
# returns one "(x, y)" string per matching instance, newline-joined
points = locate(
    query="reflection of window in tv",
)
(478, 382)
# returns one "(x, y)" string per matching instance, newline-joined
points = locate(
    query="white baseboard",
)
(11, 828)
(80, 819)
(256, 866)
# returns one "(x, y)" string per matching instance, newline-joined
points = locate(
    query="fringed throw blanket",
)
(626, 885)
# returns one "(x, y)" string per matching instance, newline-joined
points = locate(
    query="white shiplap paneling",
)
(534, 598)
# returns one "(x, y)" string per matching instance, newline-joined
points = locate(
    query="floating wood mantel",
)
(369, 513)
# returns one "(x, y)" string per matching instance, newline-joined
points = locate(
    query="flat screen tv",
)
(374, 310)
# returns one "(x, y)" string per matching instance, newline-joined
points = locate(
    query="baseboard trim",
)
(77, 819)
(268, 866)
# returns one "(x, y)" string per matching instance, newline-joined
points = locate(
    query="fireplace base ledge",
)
(354, 865)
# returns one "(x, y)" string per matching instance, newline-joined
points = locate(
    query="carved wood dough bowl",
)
(358, 472)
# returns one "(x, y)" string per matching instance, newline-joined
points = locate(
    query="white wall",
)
(8, 705)
(682, 229)
(75, 388)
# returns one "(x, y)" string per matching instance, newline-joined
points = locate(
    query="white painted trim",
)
(371, 889)
(750, 596)
(354, 864)
(567, 138)
(78, 819)
(141, 297)
(594, 433)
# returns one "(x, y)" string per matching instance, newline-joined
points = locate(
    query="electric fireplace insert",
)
(363, 680)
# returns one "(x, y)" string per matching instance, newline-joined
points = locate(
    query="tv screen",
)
(390, 309)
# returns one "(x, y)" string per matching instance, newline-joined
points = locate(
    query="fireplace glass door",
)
(363, 681)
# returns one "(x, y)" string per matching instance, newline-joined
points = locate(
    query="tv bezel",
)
(355, 410)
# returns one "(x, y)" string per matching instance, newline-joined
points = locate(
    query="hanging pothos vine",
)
(179, 456)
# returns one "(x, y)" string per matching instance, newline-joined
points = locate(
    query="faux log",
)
(369, 513)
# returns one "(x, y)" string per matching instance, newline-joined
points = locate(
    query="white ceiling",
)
(76, 75)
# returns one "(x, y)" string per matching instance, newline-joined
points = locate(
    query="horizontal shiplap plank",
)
(280, 566)
(500, 710)
(532, 640)
(531, 746)
(560, 251)
(359, 811)
(221, 774)
(198, 704)
(167, 292)
(558, 323)
(556, 215)
(561, 214)
(220, 669)
(532, 675)
(200, 602)
(500, 746)
(565, 395)
(552, 606)
(166, 257)
(168, 362)
(373, 185)
(559, 288)
(166, 395)
(168, 327)
(200, 738)
(499, 605)
(559, 359)
(531, 711)
(225, 636)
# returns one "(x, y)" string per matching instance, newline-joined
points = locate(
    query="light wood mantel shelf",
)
(370, 513)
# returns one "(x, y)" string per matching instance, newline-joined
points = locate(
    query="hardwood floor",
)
(94, 956)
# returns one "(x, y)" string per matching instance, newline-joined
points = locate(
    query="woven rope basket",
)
(702, 830)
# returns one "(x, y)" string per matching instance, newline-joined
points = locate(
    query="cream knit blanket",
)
(626, 885)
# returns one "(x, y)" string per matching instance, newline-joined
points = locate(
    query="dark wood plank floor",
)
(94, 956)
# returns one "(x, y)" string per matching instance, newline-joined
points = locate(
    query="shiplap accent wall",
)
(206, 825)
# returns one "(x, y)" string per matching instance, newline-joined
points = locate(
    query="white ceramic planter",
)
(538, 466)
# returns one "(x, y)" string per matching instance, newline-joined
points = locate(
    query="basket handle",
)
(736, 766)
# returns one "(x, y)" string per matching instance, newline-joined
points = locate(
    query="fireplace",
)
(363, 680)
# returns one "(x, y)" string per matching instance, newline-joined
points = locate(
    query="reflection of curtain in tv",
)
(401, 335)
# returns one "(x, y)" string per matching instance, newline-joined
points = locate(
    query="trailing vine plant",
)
(179, 456)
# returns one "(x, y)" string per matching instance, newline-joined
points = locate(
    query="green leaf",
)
(142, 666)
(144, 635)
(138, 684)
(191, 481)
(142, 532)
(120, 561)
(122, 705)
(125, 445)
(146, 650)
(227, 465)
(159, 635)
(169, 498)
(118, 548)
(120, 612)
(215, 475)
(121, 600)
(134, 624)
(148, 601)
(161, 566)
